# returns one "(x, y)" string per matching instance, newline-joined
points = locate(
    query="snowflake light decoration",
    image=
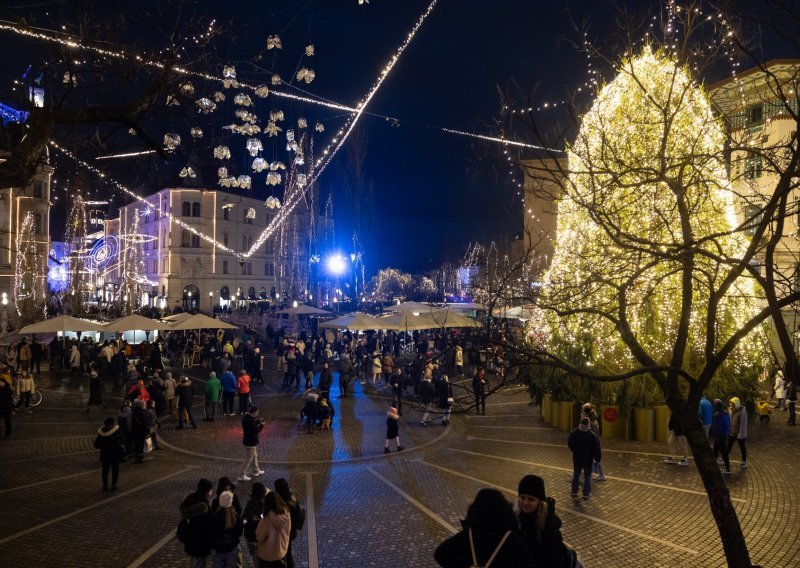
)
(302, 123)
(254, 146)
(290, 135)
(187, 89)
(171, 141)
(222, 172)
(251, 213)
(229, 72)
(246, 116)
(319, 127)
(276, 79)
(276, 115)
(262, 91)
(70, 79)
(242, 99)
(274, 42)
(273, 178)
(272, 202)
(306, 75)
(244, 182)
(259, 164)
(188, 171)
(222, 153)
(205, 105)
(302, 180)
(275, 166)
(219, 96)
(310, 50)
(196, 132)
(172, 101)
(272, 129)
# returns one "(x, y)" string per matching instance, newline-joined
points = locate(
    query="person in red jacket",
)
(243, 388)
(138, 391)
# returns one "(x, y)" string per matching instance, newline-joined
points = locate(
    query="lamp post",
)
(211, 301)
(336, 265)
(189, 301)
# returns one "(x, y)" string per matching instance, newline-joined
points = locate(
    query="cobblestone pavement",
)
(366, 508)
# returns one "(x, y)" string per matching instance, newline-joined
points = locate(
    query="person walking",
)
(459, 361)
(96, 390)
(185, 394)
(780, 389)
(720, 429)
(228, 392)
(25, 388)
(585, 449)
(589, 411)
(139, 429)
(6, 406)
(24, 355)
(307, 368)
(738, 431)
(377, 368)
(170, 386)
(677, 442)
(427, 394)
(37, 353)
(392, 430)
(227, 532)
(196, 529)
(297, 515)
(252, 514)
(243, 388)
(387, 367)
(345, 375)
(479, 388)
(75, 360)
(251, 428)
(444, 391)
(398, 385)
(791, 401)
(489, 537)
(273, 532)
(540, 525)
(325, 380)
(211, 396)
(109, 442)
(705, 412)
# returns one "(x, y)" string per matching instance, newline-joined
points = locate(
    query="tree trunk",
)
(730, 531)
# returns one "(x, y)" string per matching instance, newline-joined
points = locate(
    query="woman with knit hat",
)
(227, 531)
(539, 524)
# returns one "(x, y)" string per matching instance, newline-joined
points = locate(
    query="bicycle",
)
(36, 398)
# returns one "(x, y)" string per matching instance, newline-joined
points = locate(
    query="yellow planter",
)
(547, 408)
(555, 410)
(644, 424)
(566, 418)
(662, 415)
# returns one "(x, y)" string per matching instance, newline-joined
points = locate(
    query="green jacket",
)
(213, 390)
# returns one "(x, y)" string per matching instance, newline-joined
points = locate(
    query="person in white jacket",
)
(780, 390)
(25, 388)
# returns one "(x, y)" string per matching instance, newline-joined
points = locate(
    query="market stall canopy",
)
(356, 321)
(178, 317)
(63, 324)
(200, 321)
(465, 306)
(407, 321)
(303, 310)
(413, 307)
(448, 319)
(134, 322)
(523, 313)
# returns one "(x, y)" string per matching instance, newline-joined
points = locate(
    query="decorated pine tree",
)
(646, 230)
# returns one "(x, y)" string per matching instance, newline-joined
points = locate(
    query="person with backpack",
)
(227, 531)
(251, 516)
(297, 514)
(489, 537)
(585, 449)
(196, 528)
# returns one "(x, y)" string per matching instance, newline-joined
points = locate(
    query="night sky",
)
(433, 192)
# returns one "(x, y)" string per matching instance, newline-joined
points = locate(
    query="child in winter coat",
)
(764, 408)
(392, 429)
(324, 415)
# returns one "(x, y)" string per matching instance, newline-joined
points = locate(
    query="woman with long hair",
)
(273, 532)
(251, 516)
(227, 530)
(540, 525)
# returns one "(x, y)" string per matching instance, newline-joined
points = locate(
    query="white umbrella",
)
(63, 324)
(134, 322)
(356, 321)
(417, 307)
(408, 321)
(178, 317)
(304, 310)
(466, 306)
(200, 321)
(448, 319)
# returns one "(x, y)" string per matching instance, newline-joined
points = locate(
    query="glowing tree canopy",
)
(647, 193)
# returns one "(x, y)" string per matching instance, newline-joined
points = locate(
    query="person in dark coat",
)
(156, 364)
(95, 390)
(37, 354)
(398, 383)
(540, 525)
(325, 380)
(392, 430)
(185, 395)
(585, 449)
(345, 375)
(295, 514)
(119, 365)
(228, 529)
(444, 391)
(196, 512)
(427, 394)
(139, 428)
(251, 428)
(489, 536)
(479, 388)
(6, 405)
(109, 442)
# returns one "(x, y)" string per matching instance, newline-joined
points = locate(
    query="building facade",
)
(163, 263)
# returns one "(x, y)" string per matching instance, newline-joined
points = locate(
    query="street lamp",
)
(336, 264)
(211, 301)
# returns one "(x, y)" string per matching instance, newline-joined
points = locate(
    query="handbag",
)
(491, 558)
(148, 445)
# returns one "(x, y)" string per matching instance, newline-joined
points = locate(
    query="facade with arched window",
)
(179, 256)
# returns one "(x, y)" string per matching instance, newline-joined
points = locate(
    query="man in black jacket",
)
(6, 405)
(585, 448)
(251, 427)
(196, 529)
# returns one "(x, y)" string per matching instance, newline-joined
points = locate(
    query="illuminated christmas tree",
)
(76, 245)
(645, 236)
(29, 272)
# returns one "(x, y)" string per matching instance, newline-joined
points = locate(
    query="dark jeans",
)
(742, 447)
(244, 402)
(227, 402)
(792, 404)
(7, 420)
(397, 401)
(721, 447)
(587, 478)
(24, 398)
(211, 410)
(480, 403)
(112, 465)
(188, 410)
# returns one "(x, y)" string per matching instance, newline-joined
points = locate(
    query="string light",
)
(341, 135)
(144, 200)
(126, 155)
